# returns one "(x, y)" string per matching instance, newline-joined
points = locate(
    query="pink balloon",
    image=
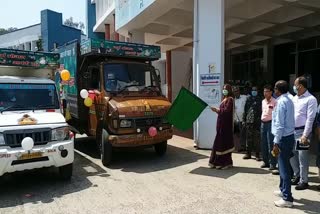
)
(91, 94)
(152, 131)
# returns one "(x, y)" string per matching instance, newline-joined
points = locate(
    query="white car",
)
(33, 131)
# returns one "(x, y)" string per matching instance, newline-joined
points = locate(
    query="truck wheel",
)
(66, 171)
(105, 149)
(161, 148)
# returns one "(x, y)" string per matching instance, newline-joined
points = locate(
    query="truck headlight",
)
(125, 123)
(60, 134)
(2, 142)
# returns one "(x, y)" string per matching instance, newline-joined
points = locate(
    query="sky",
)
(23, 13)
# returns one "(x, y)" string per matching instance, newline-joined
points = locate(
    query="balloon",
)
(152, 131)
(88, 102)
(65, 75)
(27, 143)
(92, 96)
(84, 93)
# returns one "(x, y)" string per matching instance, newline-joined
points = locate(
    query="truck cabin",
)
(120, 73)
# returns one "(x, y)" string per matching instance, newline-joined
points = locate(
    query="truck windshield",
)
(28, 96)
(130, 77)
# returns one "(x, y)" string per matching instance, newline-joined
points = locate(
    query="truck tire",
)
(161, 148)
(105, 149)
(66, 171)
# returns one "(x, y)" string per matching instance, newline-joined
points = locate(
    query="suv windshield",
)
(130, 77)
(28, 96)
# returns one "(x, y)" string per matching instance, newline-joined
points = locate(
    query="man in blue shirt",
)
(283, 131)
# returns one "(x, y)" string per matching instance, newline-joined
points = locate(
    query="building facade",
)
(43, 36)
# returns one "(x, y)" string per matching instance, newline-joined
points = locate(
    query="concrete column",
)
(208, 50)
(34, 45)
(268, 62)
(116, 35)
(168, 75)
(107, 34)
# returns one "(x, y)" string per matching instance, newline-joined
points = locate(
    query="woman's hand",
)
(214, 109)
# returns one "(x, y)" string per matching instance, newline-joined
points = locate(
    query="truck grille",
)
(14, 138)
(147, 122)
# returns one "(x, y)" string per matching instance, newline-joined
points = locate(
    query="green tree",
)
(79, 25)
(10, 29)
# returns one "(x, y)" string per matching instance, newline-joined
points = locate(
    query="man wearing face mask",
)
(252, 121)
(239, 131)
(305, 109)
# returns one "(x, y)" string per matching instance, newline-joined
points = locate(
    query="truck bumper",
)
(140, 139)
(17, 159)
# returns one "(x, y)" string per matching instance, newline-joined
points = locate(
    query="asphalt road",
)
(138, 181)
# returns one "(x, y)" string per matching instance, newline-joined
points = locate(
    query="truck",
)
(33, 131)
(128, 106)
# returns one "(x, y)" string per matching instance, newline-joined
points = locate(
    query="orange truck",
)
(114, 94)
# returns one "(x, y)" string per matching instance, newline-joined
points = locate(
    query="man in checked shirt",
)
(305, 109)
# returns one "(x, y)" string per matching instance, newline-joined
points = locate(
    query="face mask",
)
(295, 90)
(225, 92)
(254, 93)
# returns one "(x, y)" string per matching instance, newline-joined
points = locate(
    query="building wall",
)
(91, 21)
(53, 30)
(21, 38)
(181, 70)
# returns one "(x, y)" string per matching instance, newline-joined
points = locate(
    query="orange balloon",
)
(65, 75)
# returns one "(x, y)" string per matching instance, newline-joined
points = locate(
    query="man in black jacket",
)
(252, 121)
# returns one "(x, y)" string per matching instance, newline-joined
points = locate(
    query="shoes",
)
(283, 203)
(278, 193)
(227, 167)
(264, 165)
(246, 156)
(295, 180)
(211, 166)
(258, 158)
(272, 168)
(275, 172)
(302, 186)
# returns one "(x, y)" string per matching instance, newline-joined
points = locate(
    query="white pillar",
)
(33, 45)
(208, 50)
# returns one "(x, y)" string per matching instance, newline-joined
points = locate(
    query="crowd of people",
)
(275, 128)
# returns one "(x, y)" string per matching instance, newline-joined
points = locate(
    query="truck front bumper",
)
(51, 154)
(140, 139)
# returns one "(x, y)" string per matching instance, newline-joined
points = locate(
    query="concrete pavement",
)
(140, 182)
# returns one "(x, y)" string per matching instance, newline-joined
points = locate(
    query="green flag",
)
(185, 110)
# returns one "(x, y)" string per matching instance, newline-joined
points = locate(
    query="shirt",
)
(239, 107)
(305, 110)
(267, 108)
(282, 118)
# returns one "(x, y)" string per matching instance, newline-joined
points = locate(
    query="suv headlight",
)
(60, 134)
(125, 123)
(2, 142)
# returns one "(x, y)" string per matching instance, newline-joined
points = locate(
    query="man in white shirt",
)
(305, 109)
(240, 101)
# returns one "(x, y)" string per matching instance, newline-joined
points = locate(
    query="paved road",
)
(140, 182)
